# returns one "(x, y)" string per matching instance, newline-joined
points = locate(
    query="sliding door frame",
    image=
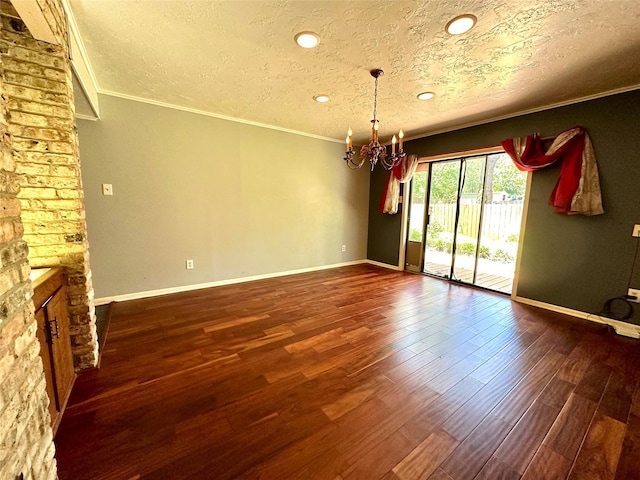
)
(404, 234)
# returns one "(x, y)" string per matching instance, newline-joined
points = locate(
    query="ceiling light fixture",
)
(373, 151)
(426, 95)
(461, 24)
(307, 39)
(321, 98)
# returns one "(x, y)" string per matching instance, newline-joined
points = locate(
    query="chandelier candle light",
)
(373, 151)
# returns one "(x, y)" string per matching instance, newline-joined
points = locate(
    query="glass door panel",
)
(503, 204)
(469, 216)
(444, 182)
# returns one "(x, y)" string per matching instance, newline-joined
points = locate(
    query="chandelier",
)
(373, 151)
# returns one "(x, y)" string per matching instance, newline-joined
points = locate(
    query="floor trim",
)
(621, 328)
(231, 281)
(384, 265)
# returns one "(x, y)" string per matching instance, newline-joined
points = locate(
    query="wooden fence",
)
(500, 220)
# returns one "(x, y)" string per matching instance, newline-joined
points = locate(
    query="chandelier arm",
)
(388, 164)
(355, 166)
(349, 159)
(393, 161)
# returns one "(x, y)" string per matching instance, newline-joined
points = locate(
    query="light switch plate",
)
(636, 230)
(107, 189)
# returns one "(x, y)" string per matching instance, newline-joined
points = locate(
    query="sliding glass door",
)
(472, 223)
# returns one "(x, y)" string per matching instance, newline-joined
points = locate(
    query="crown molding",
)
(80, 62)
(81, 116)
(566, 103)
(214, 115)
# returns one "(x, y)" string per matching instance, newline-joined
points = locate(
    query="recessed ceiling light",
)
(426, 95)
(461, 24)
(307, 39)
(321, 98)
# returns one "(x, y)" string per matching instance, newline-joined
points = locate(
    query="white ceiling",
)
(238, 58)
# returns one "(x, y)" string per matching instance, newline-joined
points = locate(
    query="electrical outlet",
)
(636, 230)
(634, 292)
(189, 264)
(107, 189)
(344, 248)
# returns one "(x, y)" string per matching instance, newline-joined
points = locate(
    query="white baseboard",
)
(383, 265)
(231, 281)
(622, 328)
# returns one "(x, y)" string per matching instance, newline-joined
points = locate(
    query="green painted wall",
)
(240, 200)
(384, 230)
(576, 262)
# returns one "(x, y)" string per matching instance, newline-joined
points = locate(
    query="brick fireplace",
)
(42, 223)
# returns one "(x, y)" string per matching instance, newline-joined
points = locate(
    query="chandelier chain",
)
(375, 100)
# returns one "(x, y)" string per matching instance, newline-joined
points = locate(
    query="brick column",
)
(26, 439)
(39, 89)
(41, 205)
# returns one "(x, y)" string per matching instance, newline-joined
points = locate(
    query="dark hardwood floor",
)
(353, 373)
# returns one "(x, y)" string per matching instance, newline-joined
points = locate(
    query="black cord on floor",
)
(620, 308)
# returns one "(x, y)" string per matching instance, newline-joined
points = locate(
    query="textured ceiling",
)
(238, 58)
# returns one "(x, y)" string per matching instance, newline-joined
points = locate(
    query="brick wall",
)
(41, 205)
(38, 84)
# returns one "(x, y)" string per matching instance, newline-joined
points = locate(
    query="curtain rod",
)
(472, 152)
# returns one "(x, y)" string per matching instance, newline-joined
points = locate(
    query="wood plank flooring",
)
(353, 373)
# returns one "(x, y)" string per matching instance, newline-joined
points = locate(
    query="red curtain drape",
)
(578, 188)
(401, 173)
